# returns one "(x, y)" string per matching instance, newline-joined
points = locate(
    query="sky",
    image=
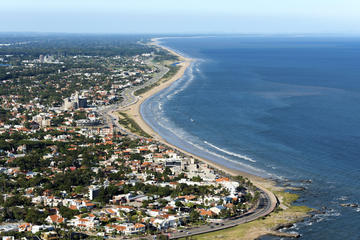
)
(181, 16)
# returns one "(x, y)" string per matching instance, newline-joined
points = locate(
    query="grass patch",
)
(131, 125)
(145, 89)
(172, 71)
(286, 198)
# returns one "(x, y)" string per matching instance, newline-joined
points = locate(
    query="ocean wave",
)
(230, 153)
(227, 159)
(185, 137)
(187, 79)
(326, 215)
(177, 132)
(342, 198)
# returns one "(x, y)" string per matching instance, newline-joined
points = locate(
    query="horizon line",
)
(182, 34)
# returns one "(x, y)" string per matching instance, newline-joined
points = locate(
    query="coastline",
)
(266, 185)
(134, 112)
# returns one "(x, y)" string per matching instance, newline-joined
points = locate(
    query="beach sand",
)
(133, 111)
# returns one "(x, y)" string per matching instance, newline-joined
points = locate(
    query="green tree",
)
(194, 215)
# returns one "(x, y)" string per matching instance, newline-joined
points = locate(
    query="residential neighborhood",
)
(65, 170)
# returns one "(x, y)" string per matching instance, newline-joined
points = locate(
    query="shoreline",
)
(134, 112)
(267, 186)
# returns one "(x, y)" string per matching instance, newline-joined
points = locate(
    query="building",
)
(41, 58)
(82, 102)
(93, 192)
(74, 102)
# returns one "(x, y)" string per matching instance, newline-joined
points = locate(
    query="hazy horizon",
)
(185, 17)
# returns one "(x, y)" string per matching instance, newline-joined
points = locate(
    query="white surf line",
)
(231, 153)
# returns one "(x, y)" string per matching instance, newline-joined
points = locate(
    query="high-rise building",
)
(41, 58)
(93, 192)
(82, 102)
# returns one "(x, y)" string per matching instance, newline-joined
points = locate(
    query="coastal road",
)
(109, 113)
(264, 207)
(128, 95)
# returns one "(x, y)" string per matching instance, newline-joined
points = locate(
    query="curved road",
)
(267, 203)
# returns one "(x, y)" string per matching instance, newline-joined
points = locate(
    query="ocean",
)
(285, 108)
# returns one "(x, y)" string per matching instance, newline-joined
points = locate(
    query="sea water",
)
(286, 108)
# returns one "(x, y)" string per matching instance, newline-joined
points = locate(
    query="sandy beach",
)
(133, 111)
(252, 230)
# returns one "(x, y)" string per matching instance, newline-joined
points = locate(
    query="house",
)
(126, 209)
(110, 211)
(217, 209)
(231, 186)
(113, 228)
(134, 228)
(206, 213)
(125, 228)
(166, 221)
(187, 198)
(25, 227)
(86, 223)
(54, 219)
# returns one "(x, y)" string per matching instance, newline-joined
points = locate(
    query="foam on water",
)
(194, 141)
(230, 153)
(185, 80)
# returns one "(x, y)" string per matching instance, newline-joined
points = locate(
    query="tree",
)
(35, 216)
(67, 212)
(179, 204)
(194, 215)
(196, 179)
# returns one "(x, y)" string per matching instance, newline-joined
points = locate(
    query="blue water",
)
(286, 108)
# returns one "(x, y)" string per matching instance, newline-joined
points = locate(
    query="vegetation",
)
(145, 89)
(130, 124)
(25, 76)
(172, 71)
